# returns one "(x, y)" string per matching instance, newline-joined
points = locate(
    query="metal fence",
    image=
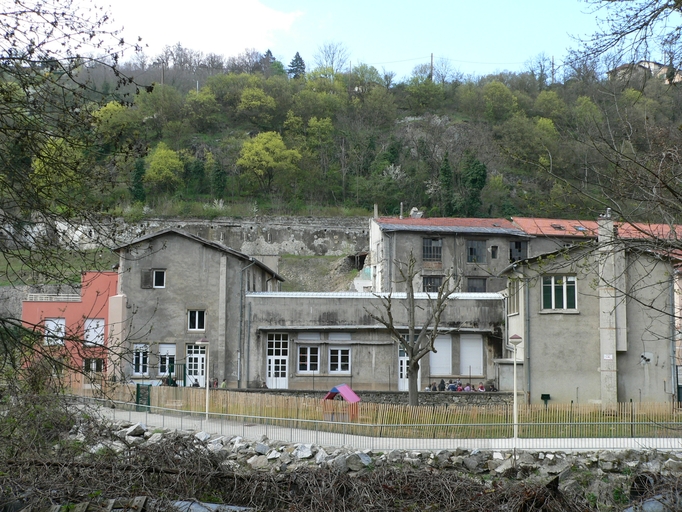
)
(381, 437)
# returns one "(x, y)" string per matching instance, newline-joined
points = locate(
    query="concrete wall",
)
(374, 355)
(198, 277)
(397, 246)
(563, 350)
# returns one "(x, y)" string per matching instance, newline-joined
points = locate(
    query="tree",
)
(296, 67)
(332, 55)
(164, 168)
(419, 339)
(264, 156)
(58, 160)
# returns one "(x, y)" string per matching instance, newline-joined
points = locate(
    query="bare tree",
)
(333, 55)
(419, 339)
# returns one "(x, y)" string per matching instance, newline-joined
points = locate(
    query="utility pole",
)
(553, 70)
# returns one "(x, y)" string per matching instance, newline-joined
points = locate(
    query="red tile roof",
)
(556, 227)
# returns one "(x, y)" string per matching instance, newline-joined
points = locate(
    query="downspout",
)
(242, 292)
(389, 265)
(526, 336)
(673, 338)
(248, 343)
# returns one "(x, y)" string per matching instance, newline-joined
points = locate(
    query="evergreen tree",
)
(472, 180)
(446, 187)
(296, 67)
(137, 187)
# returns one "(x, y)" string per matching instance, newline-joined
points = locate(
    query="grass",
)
(15, 268)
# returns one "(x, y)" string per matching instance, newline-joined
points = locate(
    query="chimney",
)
(401, 209)
(376, 211)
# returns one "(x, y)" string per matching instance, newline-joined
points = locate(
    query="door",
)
(402, 370)
(440, 361)
(196, 365)
(277, 361)
(471, 355)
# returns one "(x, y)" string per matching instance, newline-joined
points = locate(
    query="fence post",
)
(632, 419)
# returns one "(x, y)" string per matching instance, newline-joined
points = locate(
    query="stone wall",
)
(400, 397)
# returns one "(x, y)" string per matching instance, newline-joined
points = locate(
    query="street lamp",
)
(515, 340)
(204, 342)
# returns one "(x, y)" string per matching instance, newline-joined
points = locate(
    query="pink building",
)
(83, 325)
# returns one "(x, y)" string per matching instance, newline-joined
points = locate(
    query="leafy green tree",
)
(164, 170)
(158, 107)
(447, 187)
(137, 186)
(264, 156)
(550, 105)
(296, 67)
(423, 94)
(202, 110)
(228, 88)
(256, 106)
(500, 103)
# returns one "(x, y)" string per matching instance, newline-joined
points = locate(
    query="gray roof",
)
(472, 230)
(215, 245)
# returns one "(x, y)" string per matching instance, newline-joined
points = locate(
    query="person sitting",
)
(441, 386)
(459, 387)
(467, 387)
(481, 387)
(434, 386)
(492, 388)
(223, 384)
(428, 388)
(451, 386)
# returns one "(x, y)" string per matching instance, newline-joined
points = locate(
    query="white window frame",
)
(167, 358)
(337, 354)
(308, 352)
(93, 332)
(553, 286)
(141, 359)
(162, 273)
(55, 330)
(198, 314)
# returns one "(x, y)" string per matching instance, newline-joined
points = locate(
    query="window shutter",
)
(147, 279)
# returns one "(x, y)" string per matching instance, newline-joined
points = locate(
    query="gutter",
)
(526, 335)
(673, 340)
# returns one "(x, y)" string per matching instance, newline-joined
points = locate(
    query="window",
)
(93, 331)
(493, 252)
(95, 365)
(518, 251)
(196, 320)
(159, 278)
(476, 284)
(476, 251)
(166, 359)
(55, 329)
(339, 360)
(513, 302)
(432, 283)
(559, 292)
(140, 359)
(308, 359)
(432, 249)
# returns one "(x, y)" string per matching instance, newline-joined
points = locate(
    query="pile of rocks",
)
(267, 455)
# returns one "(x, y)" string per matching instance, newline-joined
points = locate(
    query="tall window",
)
(159, 278)
(432, 283)
(476, 284)
(93, 331)
(559, 292)
(432, 249)
(513, 302)
(196, 320)
(339, 360)
(308, 359)
(166, 359)
(140, 359)
(476, 251)
(55, 329)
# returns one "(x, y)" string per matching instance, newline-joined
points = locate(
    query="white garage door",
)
(471, 354)
(441, 361)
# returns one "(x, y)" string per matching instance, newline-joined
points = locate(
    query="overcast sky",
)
(477, 38)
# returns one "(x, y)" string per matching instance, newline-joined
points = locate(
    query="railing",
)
(565, 421)
(369, 436)
(46, 297)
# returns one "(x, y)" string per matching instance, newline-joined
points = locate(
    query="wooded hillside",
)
(249, 134)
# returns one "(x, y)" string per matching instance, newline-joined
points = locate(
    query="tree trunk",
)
(413, 382)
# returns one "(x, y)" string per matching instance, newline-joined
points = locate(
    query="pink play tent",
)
(344, 411)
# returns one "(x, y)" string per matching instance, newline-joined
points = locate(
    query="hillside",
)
(316, 273)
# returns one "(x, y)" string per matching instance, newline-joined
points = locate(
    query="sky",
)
(476, 38)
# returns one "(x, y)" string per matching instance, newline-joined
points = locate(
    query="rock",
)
(262, 449)
(303, 451)
(339, 464)
(321, 456)
(202, 436)
(273, 454)
(503, 466)
(357, 461)
(259, 462)
(138, 429)
(394, 456)
(135, 440)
